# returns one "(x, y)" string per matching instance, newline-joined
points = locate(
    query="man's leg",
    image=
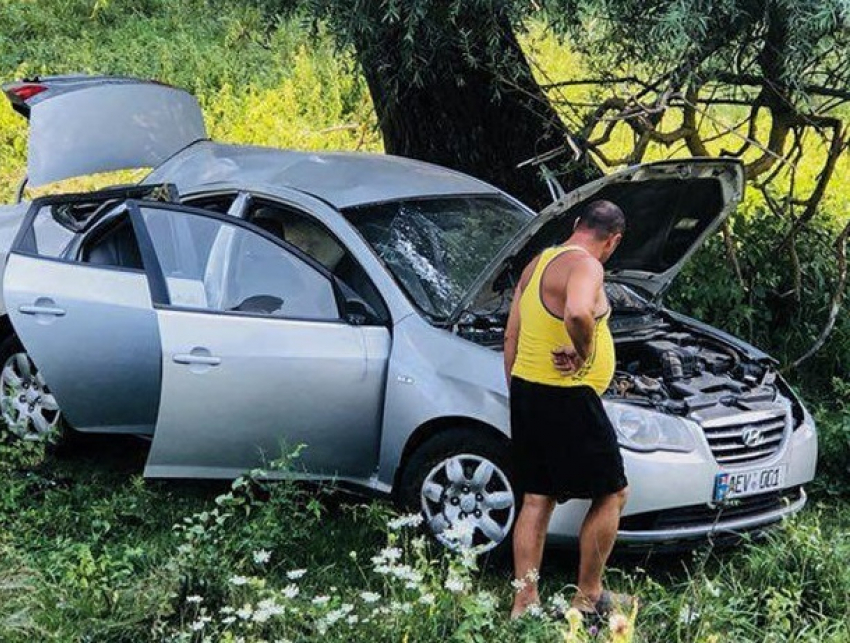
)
(596, 540)
(529, 538)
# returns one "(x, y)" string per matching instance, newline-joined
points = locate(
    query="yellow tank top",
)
(540, 332)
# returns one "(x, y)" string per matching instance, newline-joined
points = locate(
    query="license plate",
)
(747, 483)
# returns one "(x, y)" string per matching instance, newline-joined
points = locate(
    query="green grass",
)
(91, 552)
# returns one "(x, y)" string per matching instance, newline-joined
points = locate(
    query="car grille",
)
(700, 515)
(746, 437)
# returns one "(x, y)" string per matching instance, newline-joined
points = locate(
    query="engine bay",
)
(679, 371)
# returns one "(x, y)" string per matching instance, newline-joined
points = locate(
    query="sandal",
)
(608, 603)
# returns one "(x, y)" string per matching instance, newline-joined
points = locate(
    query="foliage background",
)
(85, 554)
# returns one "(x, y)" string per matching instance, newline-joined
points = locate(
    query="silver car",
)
(242, 301)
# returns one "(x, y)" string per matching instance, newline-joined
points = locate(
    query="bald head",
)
(603, 218)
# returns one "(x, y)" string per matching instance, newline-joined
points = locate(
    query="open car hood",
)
(671, 208)
(82, 125)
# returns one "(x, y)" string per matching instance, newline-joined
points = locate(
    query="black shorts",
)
(563, 442)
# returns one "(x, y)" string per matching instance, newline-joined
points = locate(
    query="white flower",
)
(455, 583)
(266, 609)
(321, 600)
(245, 612)
(295, 574)
(469, 557)
(370, 597)
(687, 615)
(518, 584)
(290, 591)
(390, 553)
(261, 557)
(460, 533)
(194, 598)
(559, 602)
(352, 620)
(227, 610)
(410, 520)
(228, 620)
(198, 625)
(397, 606)
(486, 601)
(407, 573)
(238, 580)
(427, 599)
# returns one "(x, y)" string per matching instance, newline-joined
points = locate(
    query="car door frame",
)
(161, 298)
(24, 246)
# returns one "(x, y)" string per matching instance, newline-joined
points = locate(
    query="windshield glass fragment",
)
(435, 248)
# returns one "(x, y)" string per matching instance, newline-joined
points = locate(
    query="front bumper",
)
(670, 498)
(752, 514)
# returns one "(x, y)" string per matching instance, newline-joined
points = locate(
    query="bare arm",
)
(583, 286)
(513, 325)
(512, 334)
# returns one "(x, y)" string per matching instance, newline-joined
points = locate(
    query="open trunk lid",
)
(671, 208)
(81, 125)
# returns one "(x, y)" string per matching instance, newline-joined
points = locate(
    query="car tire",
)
(463, 474)
(27, 407)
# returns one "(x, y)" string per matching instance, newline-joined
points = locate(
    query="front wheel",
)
(27, 406)
(461, 481)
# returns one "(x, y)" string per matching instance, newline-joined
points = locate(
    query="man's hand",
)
(566, 360)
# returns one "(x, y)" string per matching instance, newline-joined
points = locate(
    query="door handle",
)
(204, 360)
(41, 310)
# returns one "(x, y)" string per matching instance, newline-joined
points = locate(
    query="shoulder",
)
(587, 266)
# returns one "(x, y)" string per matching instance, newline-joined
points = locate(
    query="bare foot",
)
(586, 601)
(524, 600)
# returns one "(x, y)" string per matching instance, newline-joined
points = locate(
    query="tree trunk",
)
(482, 118)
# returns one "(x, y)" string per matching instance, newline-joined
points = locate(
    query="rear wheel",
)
(461, 481)
(27, 406)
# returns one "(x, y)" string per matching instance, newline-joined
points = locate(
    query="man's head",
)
(605, 223)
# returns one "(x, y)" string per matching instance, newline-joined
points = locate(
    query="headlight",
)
(642, 430)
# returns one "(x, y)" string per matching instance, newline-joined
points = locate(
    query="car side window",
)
(313, 239)
(113, 244)
(213, 265)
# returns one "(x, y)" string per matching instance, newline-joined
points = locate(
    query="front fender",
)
(435, 374)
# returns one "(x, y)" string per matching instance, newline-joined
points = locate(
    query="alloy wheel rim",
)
(468, 502)
(28, 408)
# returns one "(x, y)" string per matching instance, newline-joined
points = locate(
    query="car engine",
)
(681, 372)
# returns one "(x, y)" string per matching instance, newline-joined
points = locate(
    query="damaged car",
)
(243, 300)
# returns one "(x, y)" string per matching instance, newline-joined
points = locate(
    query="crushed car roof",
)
(342, 179)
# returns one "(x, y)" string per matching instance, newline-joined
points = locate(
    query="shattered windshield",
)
(435, 248)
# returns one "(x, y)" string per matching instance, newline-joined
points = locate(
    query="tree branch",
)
(836, 147)
(837, 299)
